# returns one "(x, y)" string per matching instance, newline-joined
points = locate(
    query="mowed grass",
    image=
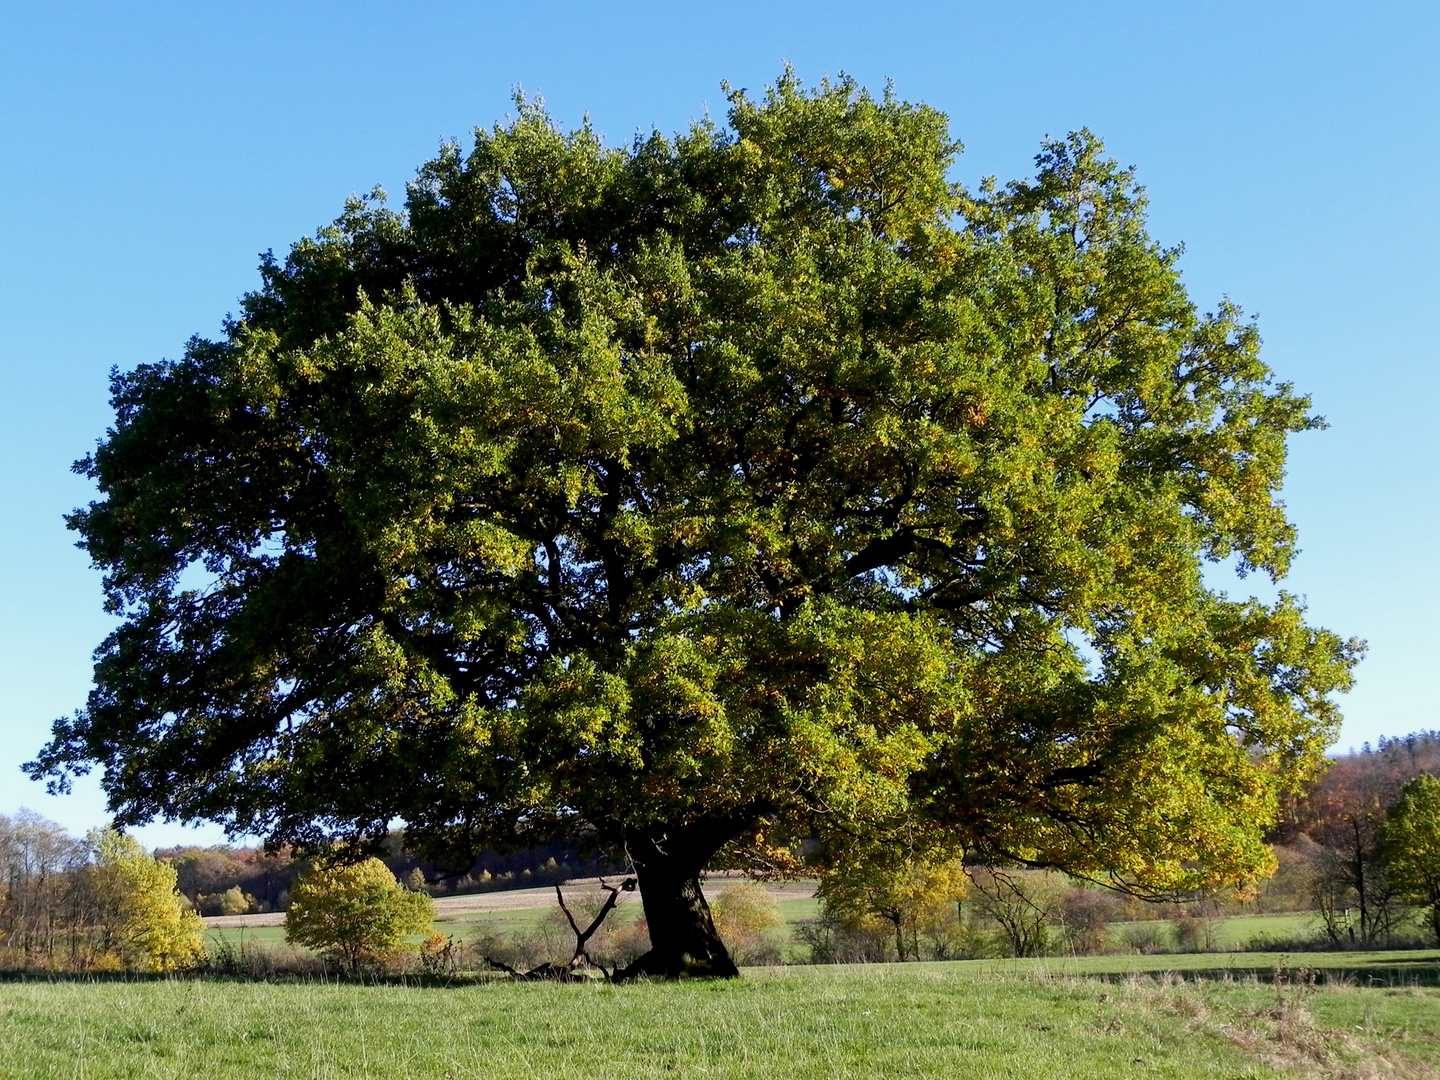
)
(882, 1021)
(268, 936)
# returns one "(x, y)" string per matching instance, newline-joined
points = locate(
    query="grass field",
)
(1229, 933)
(253, 935)
(509, 921)
(1034, 1020)
(1235, 931)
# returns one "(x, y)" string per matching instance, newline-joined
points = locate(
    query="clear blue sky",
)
(149, 152)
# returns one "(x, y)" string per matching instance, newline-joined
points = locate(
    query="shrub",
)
(439, 955)
(235, 902)
(253, 960)
(1194, 933)
(622, 943)
(1085, 919)
(1146, 937)
(747, 920)
(357, 913)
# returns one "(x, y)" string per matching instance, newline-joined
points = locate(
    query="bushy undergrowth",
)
(1319, 942)
(254, 960)
(551, 941)
(1011, 913)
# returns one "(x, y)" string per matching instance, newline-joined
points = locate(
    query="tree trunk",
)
(1362, 888)
(895, 917)
(683, 941)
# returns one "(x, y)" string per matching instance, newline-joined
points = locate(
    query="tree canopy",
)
(355, 912)
(1410, 846)
(143, 920)
(751, 483)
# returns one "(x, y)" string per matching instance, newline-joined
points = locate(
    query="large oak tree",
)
(672, 497)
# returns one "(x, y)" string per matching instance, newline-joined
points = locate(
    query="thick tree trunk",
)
(683, 941)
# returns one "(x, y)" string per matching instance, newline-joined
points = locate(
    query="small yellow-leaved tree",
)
(908, 893)
(355, 913)
(142, 920)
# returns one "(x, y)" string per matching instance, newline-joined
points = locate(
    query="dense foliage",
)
(1410, 847)
(750, 923)
(143, 920)
(357, 913)
(102, 903)
(754, 483)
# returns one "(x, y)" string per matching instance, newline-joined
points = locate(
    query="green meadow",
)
(1037, 1019)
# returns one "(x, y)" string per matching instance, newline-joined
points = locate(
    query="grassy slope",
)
(882, 1021)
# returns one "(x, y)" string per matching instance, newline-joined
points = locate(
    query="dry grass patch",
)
(1277, 1026)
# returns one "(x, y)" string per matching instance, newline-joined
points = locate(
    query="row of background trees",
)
(101, 903)
(1356, 850)
(1332, 840)
(1360, 849)
(1327, 845)
(244, 880)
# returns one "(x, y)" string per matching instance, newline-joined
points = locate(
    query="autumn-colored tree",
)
(1343, 811)
(357, 913)
(760, 478)
(908, 893)
(206, 873)
(142, 919)
(1410, 846)
(234, 902)
(40, 909)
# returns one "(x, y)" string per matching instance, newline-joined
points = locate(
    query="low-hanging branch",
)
(566, 972)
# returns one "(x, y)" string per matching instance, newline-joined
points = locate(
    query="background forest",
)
(62, 908)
